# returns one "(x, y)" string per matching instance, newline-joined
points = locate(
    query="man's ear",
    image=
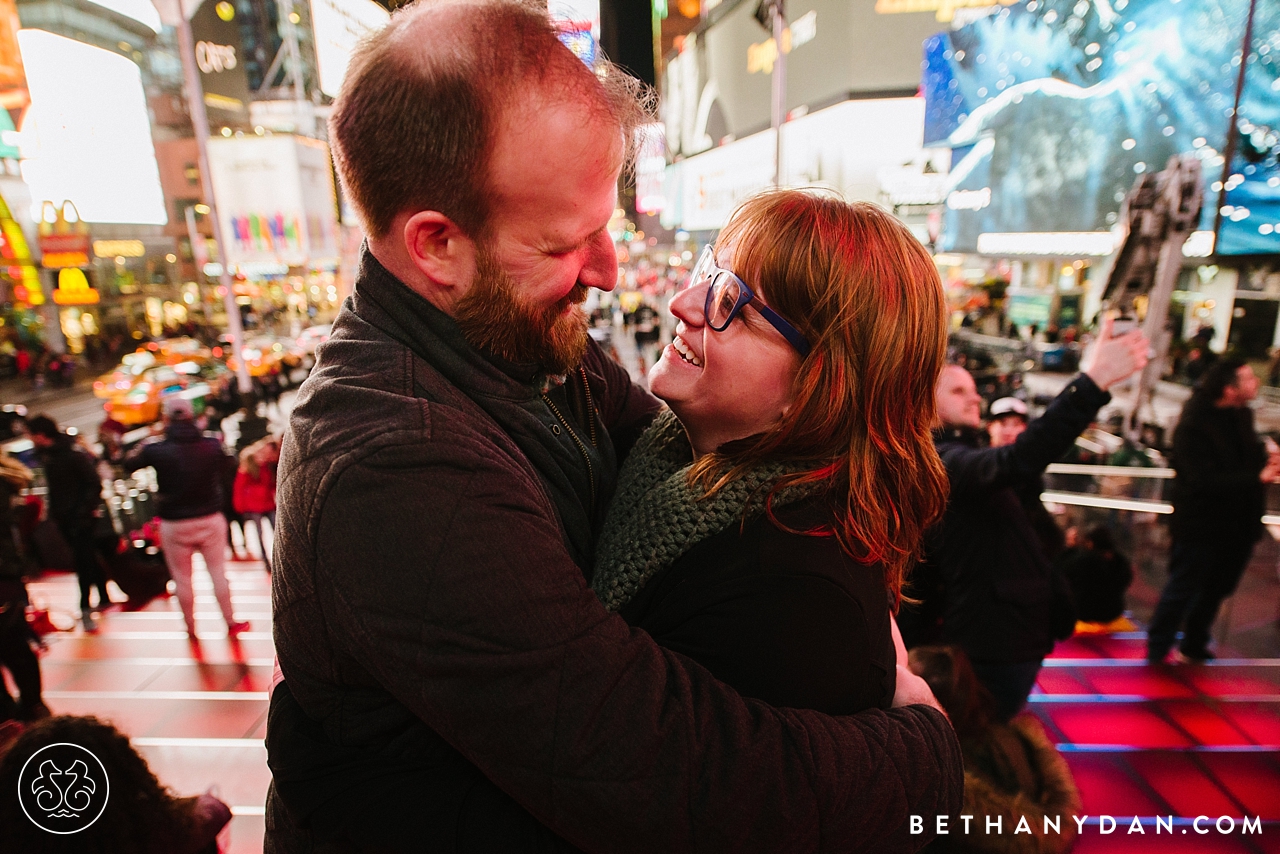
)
(439, 249)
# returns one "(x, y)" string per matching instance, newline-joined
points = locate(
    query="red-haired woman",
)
(764, 523)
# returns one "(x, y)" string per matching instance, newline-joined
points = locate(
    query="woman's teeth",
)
(685, 353)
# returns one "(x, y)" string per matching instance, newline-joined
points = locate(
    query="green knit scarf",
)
(656, 516)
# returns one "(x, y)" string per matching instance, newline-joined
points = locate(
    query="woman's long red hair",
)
(867, 295)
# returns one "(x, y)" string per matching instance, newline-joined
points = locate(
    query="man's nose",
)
(601, 268)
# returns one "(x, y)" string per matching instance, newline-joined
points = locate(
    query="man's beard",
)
(493, 318)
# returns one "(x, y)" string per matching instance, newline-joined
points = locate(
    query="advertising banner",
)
(87, 134)
(216, 31)
(1053, 108)
(718, 86)
(275, 199)
(339, 25)
(856, 148)
(579, 25)
(14, 96)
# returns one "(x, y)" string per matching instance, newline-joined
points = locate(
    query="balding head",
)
(426, 99)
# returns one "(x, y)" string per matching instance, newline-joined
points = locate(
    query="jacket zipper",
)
(591, 407)
(582, 449)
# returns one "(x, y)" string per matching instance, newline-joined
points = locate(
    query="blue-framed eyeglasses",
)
(727, 295)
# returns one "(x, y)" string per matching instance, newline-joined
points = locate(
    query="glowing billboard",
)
(14, 96)
(141, 11)
(275, 199)
(87, 135)
(1053, 107)
(579, 24)
(339, 25)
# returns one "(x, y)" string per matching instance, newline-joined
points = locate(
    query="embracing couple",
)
(520, 604)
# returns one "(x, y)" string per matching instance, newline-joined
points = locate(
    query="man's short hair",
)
(43, 425)
(415, 123)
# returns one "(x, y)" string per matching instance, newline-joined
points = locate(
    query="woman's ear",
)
(440, 250)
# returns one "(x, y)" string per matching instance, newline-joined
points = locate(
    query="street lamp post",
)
(778, 116)
(772, 16)
(200, 124)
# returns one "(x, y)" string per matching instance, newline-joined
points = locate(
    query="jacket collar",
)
(183, 431)
(391, 305)
(962, 435)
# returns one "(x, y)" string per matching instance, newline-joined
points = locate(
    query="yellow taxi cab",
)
(134, 392)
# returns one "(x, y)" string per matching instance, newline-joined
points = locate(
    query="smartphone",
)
(1123, 326)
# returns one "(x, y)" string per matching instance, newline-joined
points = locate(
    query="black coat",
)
(1098, 582)
(986, 577)
(1217, 457)
(189, 467)
(75, 490)
(783, 617)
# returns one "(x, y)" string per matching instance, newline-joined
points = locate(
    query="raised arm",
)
(1046, 439)
(1109, 360)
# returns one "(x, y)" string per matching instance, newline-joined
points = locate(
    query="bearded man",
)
(449, 680)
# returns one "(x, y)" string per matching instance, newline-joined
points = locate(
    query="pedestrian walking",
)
(255, 491)
(1221, 468)
(75, 506)
(16, 636)
(189, 468)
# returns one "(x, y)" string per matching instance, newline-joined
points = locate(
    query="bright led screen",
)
(339, 25)
(87, 136)
(1055, 106)
(140, 10)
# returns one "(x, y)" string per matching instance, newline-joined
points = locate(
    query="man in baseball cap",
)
(1006, 419)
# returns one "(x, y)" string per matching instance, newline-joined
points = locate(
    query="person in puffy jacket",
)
(188, 468)
(254, 495)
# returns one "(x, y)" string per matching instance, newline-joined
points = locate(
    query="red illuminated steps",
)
(1177, 741)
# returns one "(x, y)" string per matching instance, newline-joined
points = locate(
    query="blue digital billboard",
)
(1053, 107)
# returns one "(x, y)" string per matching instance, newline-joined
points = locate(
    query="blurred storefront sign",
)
(119, 249)
(14, 96)
(63, 236)
(651, 167)
(17, 269)
(73, 288)
(285, 116)
(276, 200)
(339, 25)
(944, 10)
(216, 32)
